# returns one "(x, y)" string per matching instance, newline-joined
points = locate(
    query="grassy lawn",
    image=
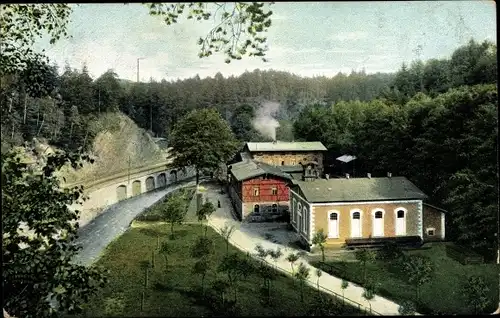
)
(442, 295)
(154, 212)
(176, 292)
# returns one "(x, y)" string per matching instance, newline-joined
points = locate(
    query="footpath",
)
(245, 241)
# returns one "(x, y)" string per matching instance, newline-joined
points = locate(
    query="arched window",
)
(400, 214)
(256, 208)
(334, 216)
(282, 163)
(378, 214)
(356, 216)
(274, 208)
(400, 221)
(356, 223)
(378, 223)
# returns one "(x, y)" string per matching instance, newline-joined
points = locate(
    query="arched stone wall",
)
(150, 183)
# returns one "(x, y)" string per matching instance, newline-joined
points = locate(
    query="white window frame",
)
(273, 190)
(396, 219)
(256, 191)
(294, 210)
(430, 229)
(306, 219)
(360, 223)
(338, 222)
(383, 221)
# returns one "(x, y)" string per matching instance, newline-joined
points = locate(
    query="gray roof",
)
(359, 189)
(247, 169)
(285, 146)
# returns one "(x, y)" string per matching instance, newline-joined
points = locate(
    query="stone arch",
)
(173, 176)
(150, 183)
(162, 180)
(136, 187)
(121, 192)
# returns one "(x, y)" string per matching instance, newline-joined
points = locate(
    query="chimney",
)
(389, 174)
(347, 176)
(369, 175)
(327, 176)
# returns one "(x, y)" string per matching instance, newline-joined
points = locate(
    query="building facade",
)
(363, 208)
(258, 192)
(287, 154)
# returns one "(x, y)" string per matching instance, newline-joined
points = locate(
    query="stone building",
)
(350, 209)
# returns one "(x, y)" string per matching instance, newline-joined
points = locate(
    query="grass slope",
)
(442, 295)
(175, 293)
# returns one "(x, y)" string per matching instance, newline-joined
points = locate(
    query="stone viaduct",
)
(124, 185)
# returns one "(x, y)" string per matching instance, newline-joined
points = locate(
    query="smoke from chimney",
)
(264, 122)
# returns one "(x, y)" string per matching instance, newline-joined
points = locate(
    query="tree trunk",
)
(206, 228)
(158, 242)
(418, 293)
(166, 262)
(301, 291)
(172, 229)
(25, 104)
(153, 259)
(203, 284)
(197, 177)
(323, 253)
(227, 246)
(146, 283)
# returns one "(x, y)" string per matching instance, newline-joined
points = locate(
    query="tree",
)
(202, 247)
(39, 231)
(344, 286)
(204, 213)
(175, 211)
(220, 286)
(165, 250)
(369, 294)
(239, 33)
(302, 275)
(476, 292)
(201, 268)
(202, 139)
(407, 308)
(292, 258)
(275, 255)
(235, 267)
(146, 266)
(319, 272)
(21, 25)
(364, 256)
(226, 232)
(319, 239)
(419, 270)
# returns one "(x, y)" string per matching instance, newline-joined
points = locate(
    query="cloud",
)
(349, 36)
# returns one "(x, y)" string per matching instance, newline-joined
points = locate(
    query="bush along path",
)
(328, 283)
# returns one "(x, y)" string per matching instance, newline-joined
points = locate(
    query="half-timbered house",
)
(258, 191)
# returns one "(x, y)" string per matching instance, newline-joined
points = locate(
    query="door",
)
(136, 187)
(400, 222)
(333, 226)
(356, 224)
(378, 224)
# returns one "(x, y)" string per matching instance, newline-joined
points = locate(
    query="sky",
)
(306, 38)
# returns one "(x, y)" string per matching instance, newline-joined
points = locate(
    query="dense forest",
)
(433, 121)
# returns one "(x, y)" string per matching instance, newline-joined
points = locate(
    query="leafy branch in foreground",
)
(240, 29)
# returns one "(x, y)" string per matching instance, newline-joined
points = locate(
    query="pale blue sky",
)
(306, 38)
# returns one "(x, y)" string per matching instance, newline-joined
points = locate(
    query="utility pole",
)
(138, 59)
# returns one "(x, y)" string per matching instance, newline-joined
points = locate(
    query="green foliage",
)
(476, 293)
(292, 258)
(38, 240)
(241, 29)
(226, 232)
(21, 25)
(175, 211)
(390, 252)
(202, 247)
(302, 275)
(365, 256)
(407, 308)
(319, 239)
(419, 270)
(202, 139)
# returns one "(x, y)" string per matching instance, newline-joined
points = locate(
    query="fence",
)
(329, 291)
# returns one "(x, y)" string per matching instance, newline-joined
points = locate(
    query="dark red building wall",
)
(265, 187)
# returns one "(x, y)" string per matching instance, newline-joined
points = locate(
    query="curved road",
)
(114, 221)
